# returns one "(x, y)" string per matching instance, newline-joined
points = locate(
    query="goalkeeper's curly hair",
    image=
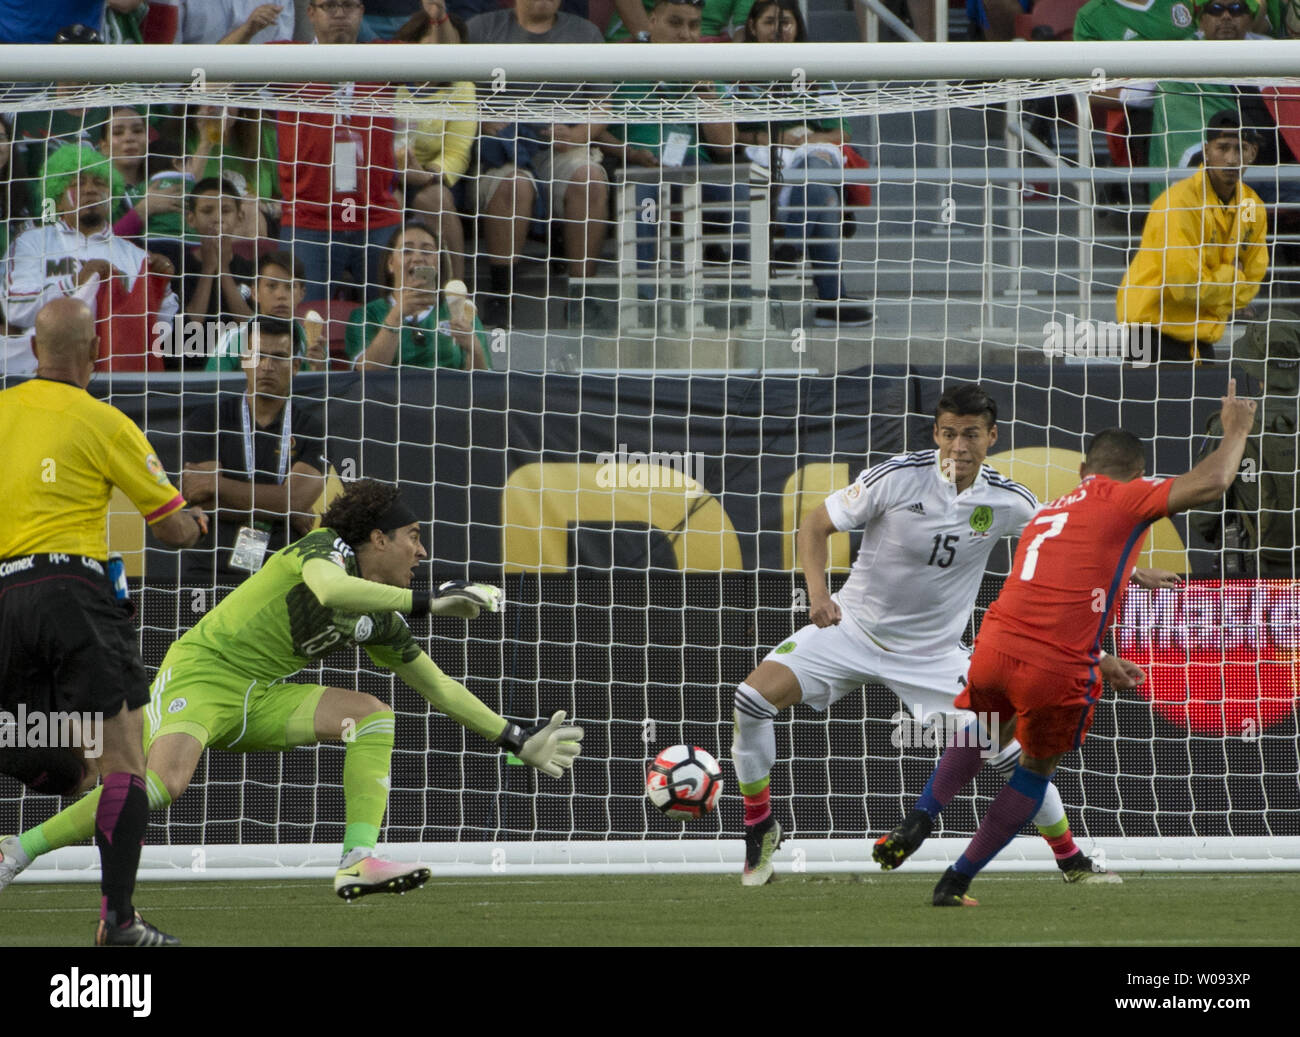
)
(357, 511)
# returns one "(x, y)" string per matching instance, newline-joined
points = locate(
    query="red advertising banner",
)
(1222, 656)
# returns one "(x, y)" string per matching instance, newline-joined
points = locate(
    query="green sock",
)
(76, 824)
(753, 788)
(365, 779)
(1060, 828)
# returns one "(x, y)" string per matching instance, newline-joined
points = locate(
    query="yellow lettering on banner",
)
(540, 502)
(1051, 472)
(804, 490)
(333, 487)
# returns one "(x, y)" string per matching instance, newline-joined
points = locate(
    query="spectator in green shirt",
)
(237, 145)
(14, 205)
(417, 324)
(718, 16)
(278, 290)
(124, 139)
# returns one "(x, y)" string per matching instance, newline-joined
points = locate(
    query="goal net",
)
(716, 305)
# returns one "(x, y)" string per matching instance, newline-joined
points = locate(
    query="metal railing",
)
(1001, 224)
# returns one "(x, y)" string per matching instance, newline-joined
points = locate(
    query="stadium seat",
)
(252, 251)
(600, 12)
(1057, 15)
(1051, 472)
(333, 487)
(804, 491)
(336, 313)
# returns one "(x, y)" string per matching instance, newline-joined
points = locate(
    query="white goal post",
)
(970, 250)
(852, 62)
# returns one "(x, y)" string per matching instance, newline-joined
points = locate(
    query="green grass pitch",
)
(1164, 909)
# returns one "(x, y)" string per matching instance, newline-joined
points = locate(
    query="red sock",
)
(758, 807)
(1062, 845)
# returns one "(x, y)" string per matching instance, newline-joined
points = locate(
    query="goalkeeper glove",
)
(458, 598)
(549, 747)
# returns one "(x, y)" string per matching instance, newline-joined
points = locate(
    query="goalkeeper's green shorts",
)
(194, 694)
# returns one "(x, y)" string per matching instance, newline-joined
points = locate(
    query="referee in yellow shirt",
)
(67, 644)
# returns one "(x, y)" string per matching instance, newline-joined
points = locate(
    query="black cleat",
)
(138, 934)
(761, 841)
(951, 891)
(892, 849)
(1082, 869)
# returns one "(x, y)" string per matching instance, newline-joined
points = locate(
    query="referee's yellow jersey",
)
(63, 452)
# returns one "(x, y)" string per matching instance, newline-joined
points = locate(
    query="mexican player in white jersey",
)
(930, 520)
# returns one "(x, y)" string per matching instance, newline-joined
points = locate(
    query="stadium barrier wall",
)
(720, 857)
(456, 438)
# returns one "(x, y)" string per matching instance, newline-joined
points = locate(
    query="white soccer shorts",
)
(830, 662)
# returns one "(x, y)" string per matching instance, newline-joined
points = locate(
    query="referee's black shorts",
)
(66, 642)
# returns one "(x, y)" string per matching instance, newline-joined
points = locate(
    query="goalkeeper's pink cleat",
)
(362, 873)
(12, 860)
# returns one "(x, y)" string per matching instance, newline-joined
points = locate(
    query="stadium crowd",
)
(202, 192)
(193, 197)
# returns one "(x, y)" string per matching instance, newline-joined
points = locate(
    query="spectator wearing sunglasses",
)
(1180, 111)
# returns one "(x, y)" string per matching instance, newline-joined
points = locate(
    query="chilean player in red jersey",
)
(1038, 663)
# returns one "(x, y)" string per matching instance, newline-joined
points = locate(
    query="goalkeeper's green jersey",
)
(272, 625)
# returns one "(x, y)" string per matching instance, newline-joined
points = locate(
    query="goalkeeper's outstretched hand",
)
(466, 600)
(551, 748)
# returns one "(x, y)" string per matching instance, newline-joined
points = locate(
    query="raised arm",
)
(1211, 478)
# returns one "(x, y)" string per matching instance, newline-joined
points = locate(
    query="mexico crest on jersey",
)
(981, 521)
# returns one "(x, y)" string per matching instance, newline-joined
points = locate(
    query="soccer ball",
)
(684, 782)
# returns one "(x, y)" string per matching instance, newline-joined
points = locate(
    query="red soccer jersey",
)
(1071, 569)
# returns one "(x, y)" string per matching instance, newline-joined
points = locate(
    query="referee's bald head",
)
(65, 342)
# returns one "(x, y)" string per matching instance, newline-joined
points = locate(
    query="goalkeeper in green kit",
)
(224, 684)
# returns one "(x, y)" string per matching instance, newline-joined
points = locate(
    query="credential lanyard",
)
(246, 417)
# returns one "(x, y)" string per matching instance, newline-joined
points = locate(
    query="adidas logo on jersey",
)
(917, 509)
